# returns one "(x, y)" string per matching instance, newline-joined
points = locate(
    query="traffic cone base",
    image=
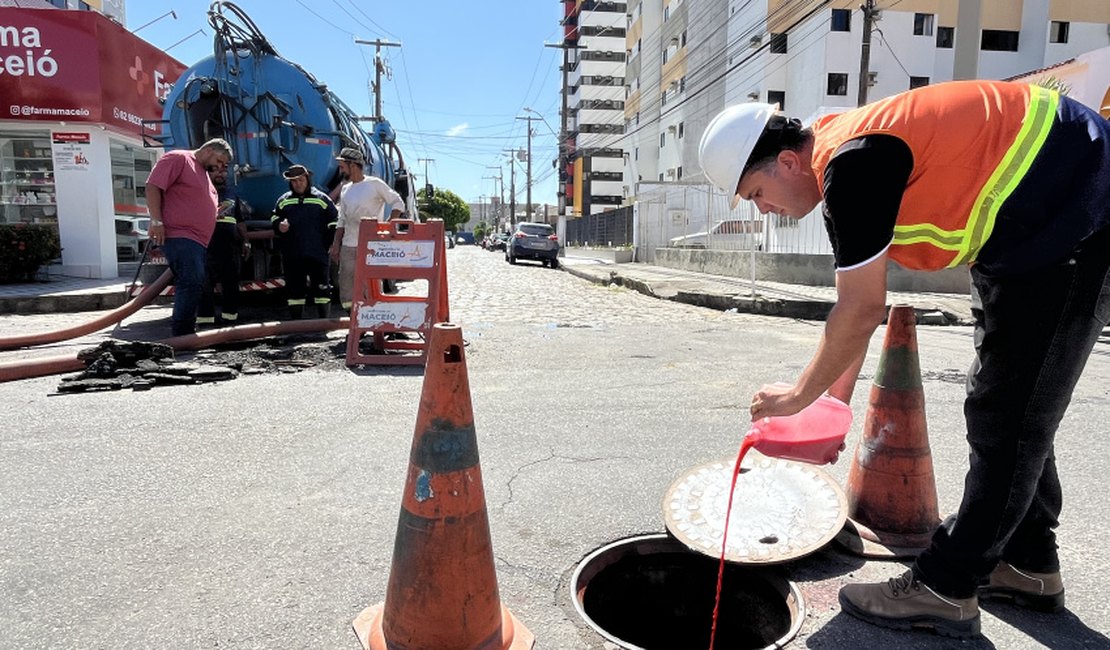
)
(512, 635)
(860, 540)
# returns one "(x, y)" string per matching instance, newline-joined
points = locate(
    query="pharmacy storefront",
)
(74, 89)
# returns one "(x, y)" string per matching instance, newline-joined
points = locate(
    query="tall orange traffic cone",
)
(442, 592)
(892, 493)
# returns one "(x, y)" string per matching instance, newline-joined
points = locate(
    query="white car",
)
(731, 234)
(131, 236)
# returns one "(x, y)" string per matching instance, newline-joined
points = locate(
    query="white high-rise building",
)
(593, 171)
(688, 59)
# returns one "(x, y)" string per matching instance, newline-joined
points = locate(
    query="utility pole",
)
(500, 178)
(512, 187)
(868, 10)
(529, 118)
(427, 182)
(379, 67)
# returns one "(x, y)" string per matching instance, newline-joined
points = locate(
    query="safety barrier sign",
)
(400, 250)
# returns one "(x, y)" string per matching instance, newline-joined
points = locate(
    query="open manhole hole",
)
(652, 593)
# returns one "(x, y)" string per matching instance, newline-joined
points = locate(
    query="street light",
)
(545, 123)
(199, 31)
(171, 12)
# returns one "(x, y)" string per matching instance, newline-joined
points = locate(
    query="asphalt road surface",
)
(261, 512)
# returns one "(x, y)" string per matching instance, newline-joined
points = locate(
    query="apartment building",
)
(593, 162)
(688, 59)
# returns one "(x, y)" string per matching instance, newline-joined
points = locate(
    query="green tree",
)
(445, 205)
(480, 231)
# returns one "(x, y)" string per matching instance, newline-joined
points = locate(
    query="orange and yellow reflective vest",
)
(972, 143)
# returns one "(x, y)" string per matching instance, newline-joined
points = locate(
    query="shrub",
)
(24, 248)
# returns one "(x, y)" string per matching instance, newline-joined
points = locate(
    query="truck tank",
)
(273, 112)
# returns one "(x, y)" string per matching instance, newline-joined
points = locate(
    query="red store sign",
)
(79, 66)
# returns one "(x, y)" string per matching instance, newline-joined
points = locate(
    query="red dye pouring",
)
(745, 445)
(813, 435)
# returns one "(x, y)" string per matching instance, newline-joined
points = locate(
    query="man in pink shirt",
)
(182, 202)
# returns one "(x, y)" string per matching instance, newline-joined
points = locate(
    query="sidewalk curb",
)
(62, 303)
(801, 309)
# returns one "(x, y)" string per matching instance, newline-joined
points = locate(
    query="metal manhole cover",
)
(782, 510)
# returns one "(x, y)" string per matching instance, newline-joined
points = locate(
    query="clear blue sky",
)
(463, 75)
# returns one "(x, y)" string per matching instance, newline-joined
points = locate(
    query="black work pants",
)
(306, 280)
(1033, 335)
(221, 267)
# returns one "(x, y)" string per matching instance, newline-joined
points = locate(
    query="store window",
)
(130, 167)
(27, 178)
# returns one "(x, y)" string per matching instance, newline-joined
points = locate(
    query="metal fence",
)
(696, 215)
(610, 228)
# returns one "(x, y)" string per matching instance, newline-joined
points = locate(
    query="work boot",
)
(1043, 592)
(323, 310)
(906, 603)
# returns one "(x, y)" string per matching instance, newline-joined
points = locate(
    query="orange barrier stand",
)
(399, 249)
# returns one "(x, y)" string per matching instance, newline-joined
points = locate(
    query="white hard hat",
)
(729, 140)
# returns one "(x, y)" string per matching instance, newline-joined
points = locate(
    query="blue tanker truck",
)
(275, 114)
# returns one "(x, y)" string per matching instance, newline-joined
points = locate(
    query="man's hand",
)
(157, 233)
(776, 399)
(333, 253)
(283, 225)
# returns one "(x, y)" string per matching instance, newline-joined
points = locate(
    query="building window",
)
(923, 24)
(777, 97)
(681, 129)
(27, 178)
(838, 83)
(999, 40)
(1058, 31)
(683, 38)
(778, 43)
(946, 37)
(660, 177)
(917, 82)
(841, 20)
(678, 174)
(662, 140)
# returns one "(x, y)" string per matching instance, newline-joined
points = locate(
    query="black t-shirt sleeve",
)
(864, 184)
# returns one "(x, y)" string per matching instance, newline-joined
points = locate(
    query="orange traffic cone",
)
(892, 493)
(442, 592)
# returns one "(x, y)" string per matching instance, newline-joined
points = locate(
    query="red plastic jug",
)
(813, 435)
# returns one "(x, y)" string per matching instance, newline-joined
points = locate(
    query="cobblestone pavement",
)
(483, 288)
